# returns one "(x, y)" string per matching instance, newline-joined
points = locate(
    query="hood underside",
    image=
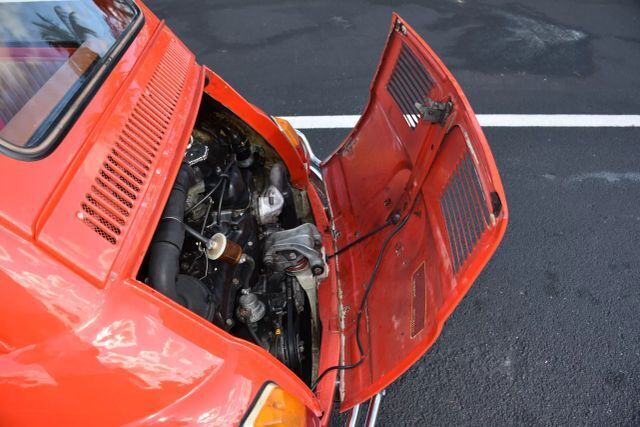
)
(418, 154)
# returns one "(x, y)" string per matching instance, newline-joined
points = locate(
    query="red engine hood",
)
(417, 144)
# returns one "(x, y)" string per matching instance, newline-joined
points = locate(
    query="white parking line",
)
(490, 120)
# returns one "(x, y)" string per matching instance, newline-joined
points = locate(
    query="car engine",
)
(236, 242)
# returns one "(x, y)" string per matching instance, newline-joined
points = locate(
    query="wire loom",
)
(399, 224)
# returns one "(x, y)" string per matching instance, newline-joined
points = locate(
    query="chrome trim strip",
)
(315, 161)
(372, 412)
(316, 172)
(374, 409)
(314, 165)
(353, 416)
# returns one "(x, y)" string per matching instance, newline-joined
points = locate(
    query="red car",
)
(172, 255)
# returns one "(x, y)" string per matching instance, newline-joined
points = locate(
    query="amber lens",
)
(276, 407)
(289, 131)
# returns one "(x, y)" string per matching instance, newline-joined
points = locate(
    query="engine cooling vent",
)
(409, 84)
(464, 209)
(125, 170)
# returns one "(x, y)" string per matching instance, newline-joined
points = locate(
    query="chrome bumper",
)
(372, 412)
(315, 161)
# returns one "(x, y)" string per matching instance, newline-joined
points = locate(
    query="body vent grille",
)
(464, 209)
(409, 84)
(126, 168)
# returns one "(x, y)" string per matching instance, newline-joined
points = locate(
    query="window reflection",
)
(48, 50)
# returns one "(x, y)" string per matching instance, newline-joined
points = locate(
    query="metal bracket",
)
(400, 27)
(434, 111)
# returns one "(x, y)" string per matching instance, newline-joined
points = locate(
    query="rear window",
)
(51, 56)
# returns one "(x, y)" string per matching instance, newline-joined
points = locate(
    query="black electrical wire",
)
(223, 177)
(393, 219)
(222, 191)
(206, 217)
(367, 290)
(192, 231)
(256, 338)
(209, 194)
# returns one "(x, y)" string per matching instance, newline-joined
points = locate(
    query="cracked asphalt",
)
(550, 332)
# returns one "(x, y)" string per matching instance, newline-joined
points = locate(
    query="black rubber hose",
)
(164, 258)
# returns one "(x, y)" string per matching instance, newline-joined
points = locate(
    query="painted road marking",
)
(490, 120)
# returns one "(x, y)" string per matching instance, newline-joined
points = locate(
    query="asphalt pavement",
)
(550, 332)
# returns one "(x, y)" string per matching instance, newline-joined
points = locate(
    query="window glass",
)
(48, 51)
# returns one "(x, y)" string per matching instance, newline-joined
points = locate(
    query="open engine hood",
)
(417, 150)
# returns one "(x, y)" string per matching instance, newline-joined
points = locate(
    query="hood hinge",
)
(434, 111)
(400, 27)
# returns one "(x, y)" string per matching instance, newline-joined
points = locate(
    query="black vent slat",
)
(453, 217)
(448, 221)
(409, 96)
(474, 200)
(152, 132)
(404, 102)
(134, 149)
(412, 77)
(99, 230)
(113, 173)
(407, 57)
(126, 167)
(116, 187)
(105, 210)
(103, 222)
(410, 112)
(121, 152)
(409, 84)
(463, 232)
(468, 208)
(464, 210)
(458, 234)
(483, 212)
(135, 139)
(113, 203)
(150, 110)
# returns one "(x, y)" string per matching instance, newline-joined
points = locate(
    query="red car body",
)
(82, 342)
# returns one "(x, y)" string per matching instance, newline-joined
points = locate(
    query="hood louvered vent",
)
(464, 209)
(125, 170)
(410, 84)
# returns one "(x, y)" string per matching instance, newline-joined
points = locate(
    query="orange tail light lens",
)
(275, 407)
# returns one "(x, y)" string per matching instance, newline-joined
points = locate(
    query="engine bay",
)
(237, 245)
